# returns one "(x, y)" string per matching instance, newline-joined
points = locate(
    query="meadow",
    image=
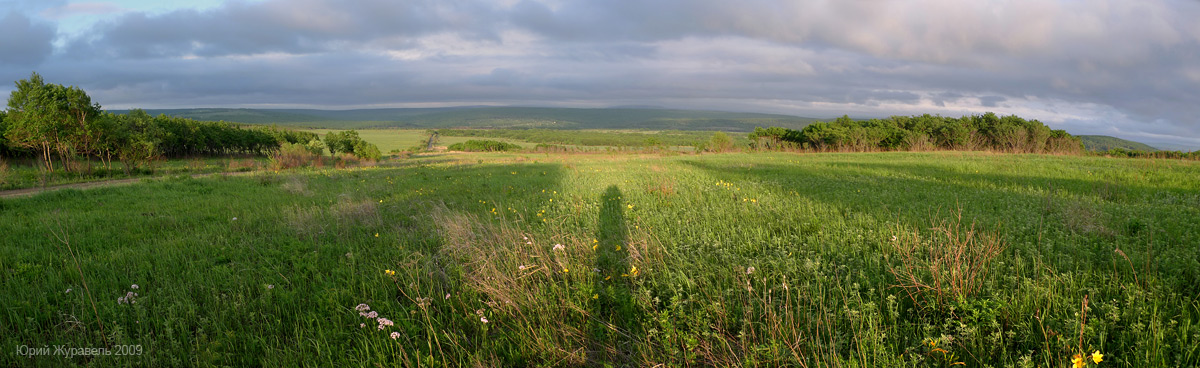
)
(891, 259)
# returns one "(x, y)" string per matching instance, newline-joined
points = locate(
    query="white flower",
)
(559, 247)
(271, 286)
(395, 335)
(361, 325)
(234, 219)
(372, 314)
(383, 323)
(362, 307)
(134, 286)
(893, 238)
(483, 319)
(447, 296)
(68, 291)
(749, 270)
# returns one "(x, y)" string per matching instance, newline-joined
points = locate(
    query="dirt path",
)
(29, 192)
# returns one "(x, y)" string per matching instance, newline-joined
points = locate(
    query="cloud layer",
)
(1106, 66)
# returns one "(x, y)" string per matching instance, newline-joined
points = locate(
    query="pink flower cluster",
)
(382, 323)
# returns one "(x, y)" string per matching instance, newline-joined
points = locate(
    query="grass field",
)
(816, 260)
(403, 139)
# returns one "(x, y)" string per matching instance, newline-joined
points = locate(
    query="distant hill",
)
(1105, 143)
(497, 117)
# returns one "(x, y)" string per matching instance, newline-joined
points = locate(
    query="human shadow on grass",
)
(614, 315)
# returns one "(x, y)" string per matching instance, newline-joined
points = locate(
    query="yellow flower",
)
(376, 235)
(1078, 361)
(618, 247)
(595, 241)
(607, 277)
(565, 270)
(631, 206)
(595, 246)
(633, 271)
(1097, 357)
(595, 296)
(389, 272)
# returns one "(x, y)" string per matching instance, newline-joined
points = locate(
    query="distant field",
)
(497, 117)
(939, 259)
(402, 139)
(1105, 143)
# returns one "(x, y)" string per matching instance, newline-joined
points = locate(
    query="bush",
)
(291, 155)
(720, 142)
(367, 151)
(483, 146)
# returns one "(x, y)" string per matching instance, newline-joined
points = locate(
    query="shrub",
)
(367, 151)
(291, 155)
(483, 146)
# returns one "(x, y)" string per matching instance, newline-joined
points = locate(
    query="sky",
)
(1124, 68)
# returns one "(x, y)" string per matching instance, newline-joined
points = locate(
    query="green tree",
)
(52, 119)
(720, 142)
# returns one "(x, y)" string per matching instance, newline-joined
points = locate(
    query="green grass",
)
(733, 259)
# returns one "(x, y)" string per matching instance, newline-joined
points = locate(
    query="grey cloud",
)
(302, 26)
(991, 101)
(24, 42)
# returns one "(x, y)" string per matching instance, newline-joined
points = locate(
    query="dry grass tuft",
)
(296, 184)
(952, 264)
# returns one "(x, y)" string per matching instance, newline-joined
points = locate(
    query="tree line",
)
(920, 133)
(61, 127)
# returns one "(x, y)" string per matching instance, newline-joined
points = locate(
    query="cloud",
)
(72, 9)
(1093, 65)
(24, 42)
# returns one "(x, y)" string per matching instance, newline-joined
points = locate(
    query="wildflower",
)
(376, 235)
(565, 270)
(1078, 361)
(559, 247)
(631, 206)
(595, 246)
(383, 323)
(68, 291)
(389, 272)
(270, 286)
(234, 219)
(395, 335)
(447, 296)
(749, 270)
(361, 325)
(483, 319)
(633, 271)
(371, 314)
(893, 238)
(1097, 357)
(134, 286)
(606, 278)
(618, 247)
(362, 307)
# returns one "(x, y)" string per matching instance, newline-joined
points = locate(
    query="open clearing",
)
(534, 259)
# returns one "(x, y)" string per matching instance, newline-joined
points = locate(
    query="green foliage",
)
(918, 133)
(316, 146)
(349, 142)
(366, 150)
(720, 142)
(483, 146)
